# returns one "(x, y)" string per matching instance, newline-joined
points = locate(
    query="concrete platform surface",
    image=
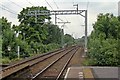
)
(93, 73)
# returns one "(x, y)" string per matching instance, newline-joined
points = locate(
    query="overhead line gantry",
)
(63, 12)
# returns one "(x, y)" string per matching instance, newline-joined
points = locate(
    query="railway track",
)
(56, 68)
(41, 66)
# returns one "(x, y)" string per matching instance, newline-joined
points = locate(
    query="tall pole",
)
(64, 12)
(76, 7)
(62, 36)
(18, 47)
(35, 16)
(85, 32)
(18, 51)
(55, 19)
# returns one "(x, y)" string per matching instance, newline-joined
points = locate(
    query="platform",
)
(92, 73)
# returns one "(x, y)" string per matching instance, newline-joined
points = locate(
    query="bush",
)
(88, 62)
(103, 41)
(5, 60)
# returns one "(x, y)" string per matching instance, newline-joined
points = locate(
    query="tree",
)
(37, 32)
(32, 35)
(0, 39)
(8, 36)
(54, 34)
(103, 41)
(31, 29)
(0, 47)
(10, 41)
(68, 39)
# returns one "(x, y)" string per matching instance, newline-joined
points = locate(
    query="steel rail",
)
(65, 65)
(43, 70)
(21, 63)
(46, 58)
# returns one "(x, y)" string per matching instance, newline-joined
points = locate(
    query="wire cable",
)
(58, 8)
(55, 4)
(16, 4)
(8, 10)
(49, 4)
(29, 2)
(60, 19)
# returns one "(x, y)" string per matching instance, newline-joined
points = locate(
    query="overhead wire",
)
(29, 2)
(6, 7)
(3, 7)
(55, 4)
(15, 4)
(8, 10)
(58, 8)
(60, 19)
(49, 4)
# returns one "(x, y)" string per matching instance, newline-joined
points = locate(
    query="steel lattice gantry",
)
(55, 12)
(62, 12)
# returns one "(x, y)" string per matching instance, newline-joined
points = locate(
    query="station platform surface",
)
(92, 73)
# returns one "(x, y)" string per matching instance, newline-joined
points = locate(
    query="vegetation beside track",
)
(103, 44)
(33, 37)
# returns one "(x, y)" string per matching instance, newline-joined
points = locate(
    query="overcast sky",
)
(75, 28)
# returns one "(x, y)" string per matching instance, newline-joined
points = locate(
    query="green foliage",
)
(33, 35)
(0, 49)
(68, 39)
(5, 60)
(37, 34)
(52, 46)
(32, 30)
(0, 45)
(54, 34)
(103, 41)
(89, 62)
(10, 41)
(79, 41)
(8, 37)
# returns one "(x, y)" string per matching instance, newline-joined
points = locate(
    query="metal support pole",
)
(64, 12)
(55, 19)
(62, 36)
(18, 52)
(76, 7)
(18, 47)
(85, 32)
(35, 16)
